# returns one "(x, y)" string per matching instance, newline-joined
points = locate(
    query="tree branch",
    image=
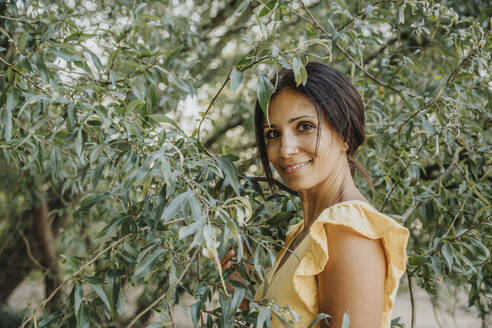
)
(163, 295)
(44, 234)
(24, 76)
(19, 20)
(460, 66)
(356, 63)
(219, 133)
(412, 300)
(204, 115)
(277, 183)
(409, 211)
(85, 266)
(397, 183)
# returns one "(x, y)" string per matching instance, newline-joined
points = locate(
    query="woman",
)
(348, 256)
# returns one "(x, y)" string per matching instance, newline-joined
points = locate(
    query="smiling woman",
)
(348, 256)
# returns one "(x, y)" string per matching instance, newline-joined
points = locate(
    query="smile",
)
(293, 168)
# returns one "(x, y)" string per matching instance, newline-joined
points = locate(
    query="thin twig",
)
(460, 65)
(53, 293)
(363, 10)
(14, 19)
(170, 315)
(467, 231)
(199, 278)
(29, 254)
(163, 295)
(416, 112)
(11, 40)
(454, 221)
(140, 71)
(277, 183)
(95, 258)
(409, 211)
(356, 63)
(448, 82)
(397, 183)
(204, 115)
(412, 300)
(24, 76)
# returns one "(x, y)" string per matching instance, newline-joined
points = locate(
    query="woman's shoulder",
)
(361, 217)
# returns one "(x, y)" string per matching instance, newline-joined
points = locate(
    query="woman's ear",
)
(346, 146)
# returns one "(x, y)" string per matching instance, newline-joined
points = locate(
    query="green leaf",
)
(79, 143)
(236, 79)
(12, 99)
(318, 318)
(230, 172)
(73, 261)
(264, 91)
(195, 313)
(242, 6)
(236, 300)
(482, 197)
(256, 262)
(267, 8)
(95, 60)
(21, 43)
(263, 316)
(197, 225)
(102, 295)
(115, 223)
(346, 320)
(161, 118)
(10, 75)
(300, 72)
(275, 52)
(83, 319)
(283, 321)
(176, 204)
(401, 13)
(98, 172)
(50, 320)
(78, 295)
(113, 288)
(144, 267)
(155, 325)
(7, 117)
(67, 55)
(448, 255)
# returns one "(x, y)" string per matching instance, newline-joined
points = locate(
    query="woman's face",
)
(291, 142)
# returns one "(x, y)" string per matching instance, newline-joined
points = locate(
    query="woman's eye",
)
(304, 127)
(271, 134)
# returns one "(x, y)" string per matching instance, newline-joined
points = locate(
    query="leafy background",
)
(127, 152)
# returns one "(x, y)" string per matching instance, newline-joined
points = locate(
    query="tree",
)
(92, 144)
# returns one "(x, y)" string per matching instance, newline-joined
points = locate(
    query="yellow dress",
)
(295, 283)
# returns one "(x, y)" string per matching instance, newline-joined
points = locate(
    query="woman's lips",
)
(296, 167)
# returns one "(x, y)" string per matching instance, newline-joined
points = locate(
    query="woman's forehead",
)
(288, 104)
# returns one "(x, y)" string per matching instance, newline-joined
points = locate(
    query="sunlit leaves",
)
(236, 79)
(264, 91)
(300, 72)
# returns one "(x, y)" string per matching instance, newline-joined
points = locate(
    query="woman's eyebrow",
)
(266, 126)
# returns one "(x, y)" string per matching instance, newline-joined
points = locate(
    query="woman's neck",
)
(334, 189)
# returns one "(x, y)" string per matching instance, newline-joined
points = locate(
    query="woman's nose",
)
(289, 146)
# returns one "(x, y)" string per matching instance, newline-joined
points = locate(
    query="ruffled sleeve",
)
(367, 221)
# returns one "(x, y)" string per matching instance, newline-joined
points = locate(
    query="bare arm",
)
(353, 279)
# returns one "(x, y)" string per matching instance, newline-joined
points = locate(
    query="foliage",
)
(93, 143)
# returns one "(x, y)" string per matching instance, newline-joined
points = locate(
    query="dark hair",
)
(333, 94)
